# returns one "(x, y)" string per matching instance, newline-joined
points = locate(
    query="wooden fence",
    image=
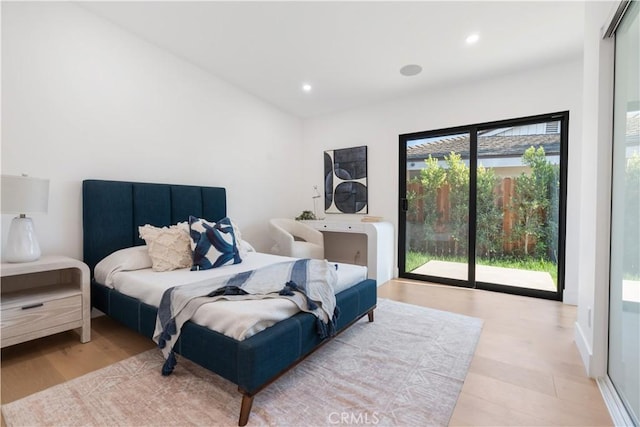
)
(503, 194)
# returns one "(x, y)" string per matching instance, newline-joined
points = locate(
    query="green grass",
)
(631, 276)
(416, 259)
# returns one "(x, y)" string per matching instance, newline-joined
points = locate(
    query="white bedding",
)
(236, 319)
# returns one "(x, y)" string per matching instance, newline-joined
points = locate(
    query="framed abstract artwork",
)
(345, 180)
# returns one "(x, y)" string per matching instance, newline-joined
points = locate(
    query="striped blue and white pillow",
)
(213, 243)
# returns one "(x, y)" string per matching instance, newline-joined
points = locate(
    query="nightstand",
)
(44, 297)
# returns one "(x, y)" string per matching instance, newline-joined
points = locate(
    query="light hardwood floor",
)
(526, 369)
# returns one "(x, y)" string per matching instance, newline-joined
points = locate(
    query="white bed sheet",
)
(235, 319)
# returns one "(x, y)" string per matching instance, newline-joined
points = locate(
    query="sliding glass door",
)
(481, 206)
(624, 296)
(437, 211)
(517, 206)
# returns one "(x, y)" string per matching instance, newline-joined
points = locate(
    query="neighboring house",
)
(500, 149)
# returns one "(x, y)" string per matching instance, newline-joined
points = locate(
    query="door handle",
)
(404, 203)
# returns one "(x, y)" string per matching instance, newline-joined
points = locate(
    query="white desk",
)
(363, 243)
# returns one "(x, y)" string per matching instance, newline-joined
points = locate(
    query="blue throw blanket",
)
(308, 283)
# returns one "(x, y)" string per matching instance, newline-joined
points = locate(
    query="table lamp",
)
(315, 197)
(22, 195)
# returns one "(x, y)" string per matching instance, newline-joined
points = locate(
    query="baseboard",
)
(584, 348)
(570, 297)
(617, 410)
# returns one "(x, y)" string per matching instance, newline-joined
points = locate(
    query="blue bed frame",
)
(112, 212)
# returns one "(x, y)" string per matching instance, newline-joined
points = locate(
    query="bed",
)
(112, 213)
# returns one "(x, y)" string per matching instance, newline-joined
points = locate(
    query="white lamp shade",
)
(24, 194)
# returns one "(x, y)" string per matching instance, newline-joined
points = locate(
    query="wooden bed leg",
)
(245, 409)
(370, 314)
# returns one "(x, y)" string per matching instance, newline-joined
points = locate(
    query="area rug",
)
(406, 368)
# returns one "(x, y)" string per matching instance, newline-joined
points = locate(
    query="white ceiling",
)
(351, 52)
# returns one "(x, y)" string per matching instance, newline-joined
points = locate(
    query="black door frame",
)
(472, 130)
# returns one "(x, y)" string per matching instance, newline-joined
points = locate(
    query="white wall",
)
(83, 99)
(544, 90)
(593, 304)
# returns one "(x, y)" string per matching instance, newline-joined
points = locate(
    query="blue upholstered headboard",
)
(112, 211)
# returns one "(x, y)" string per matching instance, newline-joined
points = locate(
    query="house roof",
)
(488, 146)
(496, 146)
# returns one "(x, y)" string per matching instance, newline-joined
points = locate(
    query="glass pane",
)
(518, 188)
(624, 300)
(438, 199)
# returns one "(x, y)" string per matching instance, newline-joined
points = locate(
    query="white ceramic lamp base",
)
(22, 244)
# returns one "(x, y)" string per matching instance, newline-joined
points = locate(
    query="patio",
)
(484, 273)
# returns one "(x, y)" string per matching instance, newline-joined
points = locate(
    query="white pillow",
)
(244, 247)
(169, 247)
(127, 259)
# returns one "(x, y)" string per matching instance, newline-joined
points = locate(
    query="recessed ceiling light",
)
(472, 38)
(306, 87)
(410, 70)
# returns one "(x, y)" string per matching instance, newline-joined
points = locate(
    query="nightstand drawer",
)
(36, 315)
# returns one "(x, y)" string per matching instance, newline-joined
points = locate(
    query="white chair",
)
(296, 239)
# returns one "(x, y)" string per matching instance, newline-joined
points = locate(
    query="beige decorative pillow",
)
(169, 247)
